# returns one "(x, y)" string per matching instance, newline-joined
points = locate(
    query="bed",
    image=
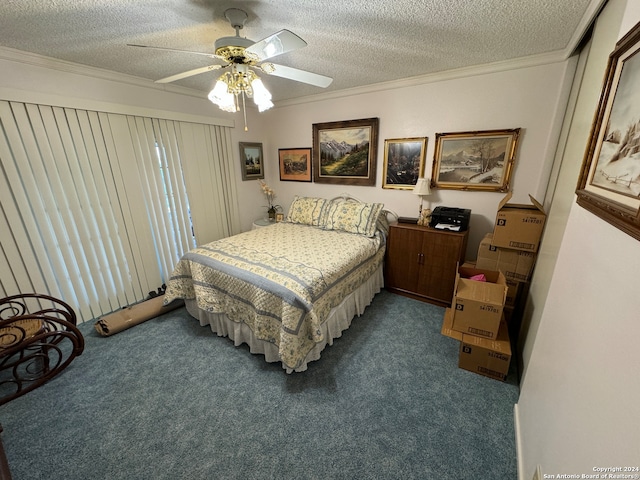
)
(288, 289)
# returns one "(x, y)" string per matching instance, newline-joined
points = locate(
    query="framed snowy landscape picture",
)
(609, 183)
(481, 160)
(345, 153)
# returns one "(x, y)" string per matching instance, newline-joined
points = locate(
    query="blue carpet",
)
(168, 399)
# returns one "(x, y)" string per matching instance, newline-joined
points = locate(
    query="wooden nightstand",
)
(421, 262)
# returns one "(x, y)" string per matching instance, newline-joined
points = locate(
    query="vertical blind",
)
(96, 208)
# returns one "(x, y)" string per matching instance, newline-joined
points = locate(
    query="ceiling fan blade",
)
(190, 73)
(298, 75)
(211, 55)
(281, 42)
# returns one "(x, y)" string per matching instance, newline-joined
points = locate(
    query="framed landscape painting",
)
(481, 160)
(251, 161)
(345, 152)
(609, 183)
(295, 164)
(403, 162)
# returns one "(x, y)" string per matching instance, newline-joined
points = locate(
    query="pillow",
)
(383, 222)
(353, 217)
(306, 211)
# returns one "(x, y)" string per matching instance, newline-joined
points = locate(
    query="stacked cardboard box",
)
(477, 305)
(516, 265)
(480, 310)
(476, 319)
(490, 358)
(512, 249)
(519, 227)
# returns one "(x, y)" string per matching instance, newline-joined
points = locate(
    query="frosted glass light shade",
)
(261, 95)
(221, 96)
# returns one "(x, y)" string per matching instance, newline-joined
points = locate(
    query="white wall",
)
(578, 406)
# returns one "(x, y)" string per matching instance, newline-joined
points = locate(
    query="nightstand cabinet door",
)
(403, 260)
(421, 262)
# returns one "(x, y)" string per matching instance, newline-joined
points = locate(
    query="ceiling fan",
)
(242, 56)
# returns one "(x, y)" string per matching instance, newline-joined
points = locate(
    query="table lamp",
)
(422, 190)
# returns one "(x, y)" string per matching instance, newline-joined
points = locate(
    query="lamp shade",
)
(221, 96)
(422, 187)
(261, 95)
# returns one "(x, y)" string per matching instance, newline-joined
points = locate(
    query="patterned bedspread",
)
(281, 280)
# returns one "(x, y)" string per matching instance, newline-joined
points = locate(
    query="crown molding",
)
(485, 69)
(34, 59)
(586, 22)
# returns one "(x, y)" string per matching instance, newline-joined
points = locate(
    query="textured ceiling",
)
(357, 42)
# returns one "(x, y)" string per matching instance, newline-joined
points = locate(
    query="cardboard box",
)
(513, 293)
(515, 264)
(447, 323)
(477, 306)
(490, 358)
(519, 226)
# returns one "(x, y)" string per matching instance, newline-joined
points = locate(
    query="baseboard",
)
(519, 461)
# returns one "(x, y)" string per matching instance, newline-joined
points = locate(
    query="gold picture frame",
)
(403, 162)
(345, 153)
(481, 160)
(609, 185)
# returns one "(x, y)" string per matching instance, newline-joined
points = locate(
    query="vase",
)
(272, 214)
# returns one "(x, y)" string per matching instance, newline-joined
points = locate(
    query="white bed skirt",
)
(339, 320)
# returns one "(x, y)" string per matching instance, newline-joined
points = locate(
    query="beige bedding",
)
(281, 281)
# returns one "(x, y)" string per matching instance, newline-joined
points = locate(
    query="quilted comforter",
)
(282, 280)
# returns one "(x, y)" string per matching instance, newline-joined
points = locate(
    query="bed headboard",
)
(346, 197)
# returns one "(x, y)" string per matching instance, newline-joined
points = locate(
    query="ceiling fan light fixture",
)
(263, 105)
(240, 55)
(222, 97)
(241, 81)
(261, 95)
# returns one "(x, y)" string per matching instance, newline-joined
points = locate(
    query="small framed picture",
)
(403, 162)
(251, 161)
(279, 217)
(295, 164)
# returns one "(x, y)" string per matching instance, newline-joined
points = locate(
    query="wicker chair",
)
(38, 339)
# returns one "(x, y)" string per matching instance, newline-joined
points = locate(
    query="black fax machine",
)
(450, 218)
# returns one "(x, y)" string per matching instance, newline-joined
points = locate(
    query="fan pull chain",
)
(244, 112)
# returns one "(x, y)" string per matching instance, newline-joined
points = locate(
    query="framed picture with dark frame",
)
(295, 164)
(345, 153)
(480, 160)
(251, 161)
(403, 162)
(609, 182)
